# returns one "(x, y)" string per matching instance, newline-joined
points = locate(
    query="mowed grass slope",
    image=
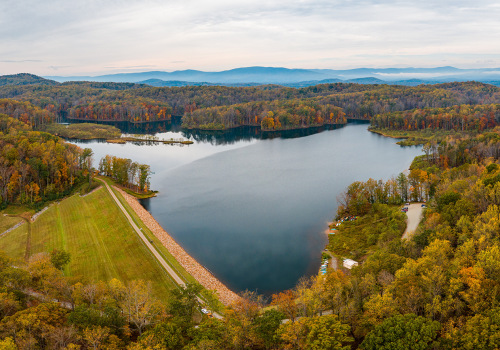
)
(14, 242)
(169, 258)
(101, 242)
(7, 222)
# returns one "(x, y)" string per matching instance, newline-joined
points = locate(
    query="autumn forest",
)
(438, 289)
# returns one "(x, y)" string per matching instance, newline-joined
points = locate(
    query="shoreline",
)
(195, 269)
(198, 129)
(117, 121)
(387, 135)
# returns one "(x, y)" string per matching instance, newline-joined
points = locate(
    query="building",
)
(349, 264)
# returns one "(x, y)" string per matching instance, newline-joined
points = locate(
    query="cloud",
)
(131, 67)
(19, 61)
(58, 67)
(91, 36)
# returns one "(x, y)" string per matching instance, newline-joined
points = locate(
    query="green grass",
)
(7, 222)
(148, 194)
(85, 131)
(151, 237)
(14, 242)
(16, 209)
(101, 242)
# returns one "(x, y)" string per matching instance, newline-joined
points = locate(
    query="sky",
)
(92, 37)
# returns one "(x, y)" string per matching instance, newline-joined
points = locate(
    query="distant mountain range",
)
(297, 77)
(252, 76)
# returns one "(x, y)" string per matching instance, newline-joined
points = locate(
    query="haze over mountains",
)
(299, 77)
(296, 77)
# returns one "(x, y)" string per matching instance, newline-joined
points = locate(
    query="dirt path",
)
(160, 259)
(28, 240)
(333, 260)
(414, 216)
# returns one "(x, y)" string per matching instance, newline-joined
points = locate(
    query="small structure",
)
(349, 263)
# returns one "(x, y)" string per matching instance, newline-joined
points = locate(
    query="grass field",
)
(85, 131)
(7, 222)
(155, 241)
(100, 240)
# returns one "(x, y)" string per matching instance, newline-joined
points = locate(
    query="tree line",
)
(36, 166)
(459, 118)
(25, 112)
(126, 172)
(386, 98)
(418, 185)
(136, 110)
(274, 115)
(138, 103)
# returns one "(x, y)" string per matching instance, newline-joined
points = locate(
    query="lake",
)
(252, 207)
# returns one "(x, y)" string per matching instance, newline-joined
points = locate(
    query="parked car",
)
(206, 312)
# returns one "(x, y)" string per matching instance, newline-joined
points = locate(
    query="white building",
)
(349, 264)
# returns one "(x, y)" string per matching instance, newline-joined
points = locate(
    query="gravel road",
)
(414, 216)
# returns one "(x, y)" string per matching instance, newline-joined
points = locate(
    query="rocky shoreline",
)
(195, 269)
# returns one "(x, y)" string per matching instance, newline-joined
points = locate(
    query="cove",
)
(252, 208)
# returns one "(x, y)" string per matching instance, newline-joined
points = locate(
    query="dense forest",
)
(136, 110)
(36, 166)
(26, 112)
(459, 118)
(217, 107)
(274, 115)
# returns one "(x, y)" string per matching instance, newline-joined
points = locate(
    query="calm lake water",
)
(251, 208)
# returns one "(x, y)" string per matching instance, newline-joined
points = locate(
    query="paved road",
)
(414, 216)
(153, 250)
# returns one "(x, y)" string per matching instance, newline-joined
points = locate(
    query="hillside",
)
(101, 242)
(25, 79)
(221, 107)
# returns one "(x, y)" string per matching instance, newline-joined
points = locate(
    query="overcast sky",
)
(90, 37)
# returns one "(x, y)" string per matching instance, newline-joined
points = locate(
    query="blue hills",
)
(248, 76)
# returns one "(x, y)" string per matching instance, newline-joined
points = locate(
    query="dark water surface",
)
(253, 210)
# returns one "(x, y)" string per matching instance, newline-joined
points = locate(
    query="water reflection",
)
(214, 137)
